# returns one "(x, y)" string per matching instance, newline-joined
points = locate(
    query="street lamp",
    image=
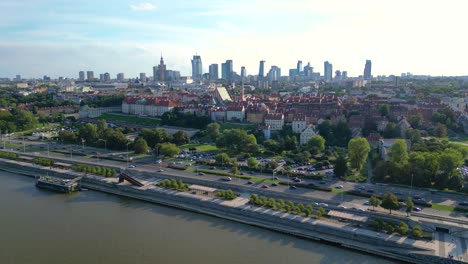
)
(411, 184)
(24, 146)
(127, 153)
(82, 143)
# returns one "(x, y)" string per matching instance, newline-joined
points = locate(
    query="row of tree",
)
(106, 172)
(289, 206)
(179, 119)
(174, 184)
(436, 168)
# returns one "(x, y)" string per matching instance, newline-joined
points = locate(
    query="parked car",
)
(160, 170)
(417, 209)
(228, 179)
(250, 182)
(339, 187)
(274, 184)
(264, 186)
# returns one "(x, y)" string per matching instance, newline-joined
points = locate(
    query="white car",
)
(323, 204)
(131, 166)
(339, 187)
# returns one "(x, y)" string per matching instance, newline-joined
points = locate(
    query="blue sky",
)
(60, 38)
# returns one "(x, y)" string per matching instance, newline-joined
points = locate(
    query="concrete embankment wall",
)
(354, 240)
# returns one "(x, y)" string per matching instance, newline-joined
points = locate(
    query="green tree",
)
(236, 140)
(341, 166)
(88, 132)
(180, 138)
(169, 149)
(417, 232)
(316, 144)
(101, 127)
(398, 152)
(271, 203)
(390, 202)
(252, 163)
(280, 204)
(358, 150)
(140, 146)
(309, 208)
(440, 131)
(391, 131)
(254, 198)
(409, 206)
(403, 228)
(374, 201)
(301, 207)
(223, 159)
(416, 121)
(212, 130)
(384, 110)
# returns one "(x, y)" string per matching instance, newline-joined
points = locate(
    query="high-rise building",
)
(81, 76)
(142, 76)
(227, 70)
(213, 70)
(299, 67)
(18, 77)
(197, 69)
(338, 75)
(292, 73)
(308, 70)
(90, 75)
(243, 72)
(368, 70)
(107, 77)
(328, 70)
(344, 74)
(120, 77)
(155, 73)
(275, 73)
(261, 71)
(161, 70)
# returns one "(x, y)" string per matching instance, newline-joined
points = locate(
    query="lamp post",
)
(47, 149)
(127, 153)
(82, 143)
(411, 184)
(24, 146)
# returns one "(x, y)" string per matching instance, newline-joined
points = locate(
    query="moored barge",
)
(58, 184)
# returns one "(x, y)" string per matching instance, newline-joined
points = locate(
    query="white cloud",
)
(143, 7)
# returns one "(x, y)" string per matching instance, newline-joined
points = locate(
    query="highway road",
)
(351, 202)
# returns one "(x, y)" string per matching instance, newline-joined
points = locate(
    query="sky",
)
(62, 37)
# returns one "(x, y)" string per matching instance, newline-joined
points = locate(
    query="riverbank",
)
(355, 238)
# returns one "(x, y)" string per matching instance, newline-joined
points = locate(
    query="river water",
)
(40, 226)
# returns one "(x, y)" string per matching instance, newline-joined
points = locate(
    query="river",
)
(40, 226)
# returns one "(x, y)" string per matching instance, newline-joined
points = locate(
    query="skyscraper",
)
(213, 70)
(243, 72)
(142, 76)
(261, 71)
(344, 74)
(275, 73)
(299, 67)
(120, 77)
(197, 69)
(227, 70)
(90, 75)
(368, 70)
(161, 74)
(81, 75)
(107, 77)
(328, 70)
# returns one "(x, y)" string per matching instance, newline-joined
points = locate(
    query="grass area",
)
(356, 178)
(146, 121)
(338, 191)
(240, 126)
(201, 147)
(443, 207)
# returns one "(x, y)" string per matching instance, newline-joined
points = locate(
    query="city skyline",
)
(60, 38)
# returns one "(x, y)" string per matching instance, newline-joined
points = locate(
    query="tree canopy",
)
(358, 150)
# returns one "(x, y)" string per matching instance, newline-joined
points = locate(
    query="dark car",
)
(264, 186)
(370, 191)
(465, 203)
(274, 184)
(250, 182)
(417, 209)
(293, 187)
